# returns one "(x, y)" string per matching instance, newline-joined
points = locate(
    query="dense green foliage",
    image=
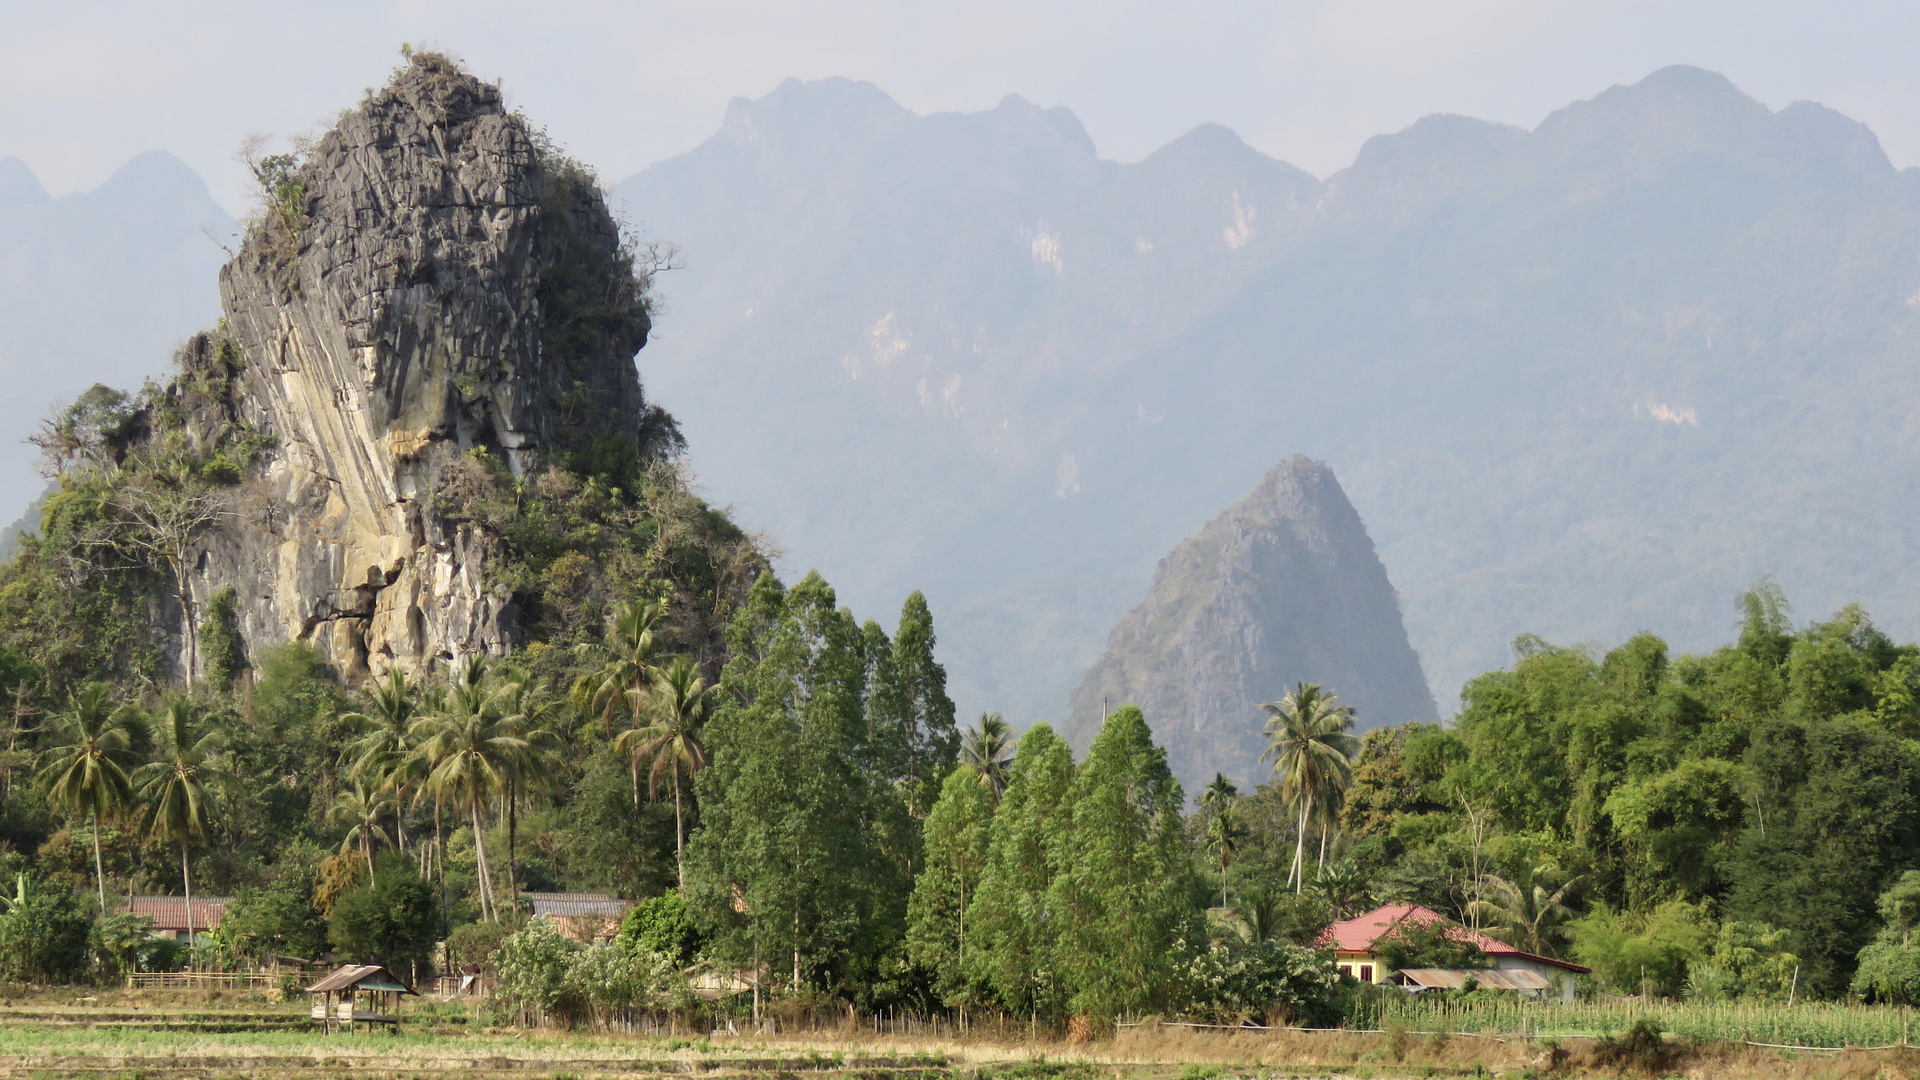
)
(1714, 825)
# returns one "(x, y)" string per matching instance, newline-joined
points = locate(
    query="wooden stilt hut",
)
(357, 994)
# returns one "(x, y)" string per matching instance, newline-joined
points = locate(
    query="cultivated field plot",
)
(117, 1039)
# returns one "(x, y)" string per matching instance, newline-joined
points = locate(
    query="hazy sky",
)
(87, 84)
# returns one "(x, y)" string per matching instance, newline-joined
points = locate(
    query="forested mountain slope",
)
(1578, 380)
(1282, 588)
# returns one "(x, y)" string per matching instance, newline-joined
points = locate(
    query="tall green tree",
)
(173, 787)
(781, 864)
(1224, 833)
(625, 665)
(1121, 893)
(955, 852)
(912, 717)
(385, 747)
(1013, 935)
(88, 768)
(1312, 756)
(671, 743)
(362, 807)
(471, 754)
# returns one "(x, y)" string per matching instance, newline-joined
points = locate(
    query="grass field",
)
(160, 1037)
(1809, 1024)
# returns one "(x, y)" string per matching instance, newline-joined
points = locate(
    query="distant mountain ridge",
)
(1578, 380)
(97, 287)
(1282, 588)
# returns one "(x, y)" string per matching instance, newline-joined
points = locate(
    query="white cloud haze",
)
(87, 84)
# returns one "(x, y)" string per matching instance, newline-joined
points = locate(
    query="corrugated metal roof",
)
(170, 912)
(605, 905)
(1359, 934)
(1441, 979)
(359, 977)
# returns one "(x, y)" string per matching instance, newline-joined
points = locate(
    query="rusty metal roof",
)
(360, 977)
(170, 912)
(1441, 979)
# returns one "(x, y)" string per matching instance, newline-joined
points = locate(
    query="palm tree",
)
(361, 808)
(682, 701)
(1220, 792)
(1312, 755)
(87, 769)
(987, 750)
(525, 709)
(471, 753)
(626, 663)
(1344, 887)
(1223, 838)
(1260, 911)
(1527, 915)
(173, 786)
(384, 749)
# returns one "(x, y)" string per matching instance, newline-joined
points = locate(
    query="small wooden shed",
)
(357, 994)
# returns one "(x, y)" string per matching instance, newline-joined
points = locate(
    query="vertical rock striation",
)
(1282, 587)
(428, 281)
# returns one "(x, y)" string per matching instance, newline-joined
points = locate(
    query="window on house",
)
(1346, 969)
(1366, 973)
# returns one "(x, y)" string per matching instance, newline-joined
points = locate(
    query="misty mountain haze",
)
(96, 287)
(1576, 381)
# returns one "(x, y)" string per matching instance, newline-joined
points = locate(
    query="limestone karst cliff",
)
(1282, 587)
(427, 281)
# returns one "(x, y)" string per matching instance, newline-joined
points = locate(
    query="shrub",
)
(44, 933)
(391, 920)
(274, 921)
(661, 926)
(1270, 980)
(223, 655)
(476, 942)
(1640, 1048)
(1429, 944)
(533, 964)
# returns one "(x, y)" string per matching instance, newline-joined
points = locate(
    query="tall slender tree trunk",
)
(488, 910)
(1300, 847)
(186, 880)
(679, 833)
(99, 868)
(513, 866)
(440, 856)
(1324, 830)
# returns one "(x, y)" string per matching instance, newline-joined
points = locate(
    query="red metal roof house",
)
(169, 914)
(1353, 941)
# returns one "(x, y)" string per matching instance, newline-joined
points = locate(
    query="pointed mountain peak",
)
(18, 184)
(1282, 587)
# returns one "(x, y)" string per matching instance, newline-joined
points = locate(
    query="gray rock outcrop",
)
(427, 282)
(1282, 587)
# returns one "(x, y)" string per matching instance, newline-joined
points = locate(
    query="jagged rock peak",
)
(429, 278)
(1283, 587)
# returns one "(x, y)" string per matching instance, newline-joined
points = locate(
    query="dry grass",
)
(39, 1037)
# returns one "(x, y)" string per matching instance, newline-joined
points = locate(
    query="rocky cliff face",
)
(1282, 587)
(426, 283)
